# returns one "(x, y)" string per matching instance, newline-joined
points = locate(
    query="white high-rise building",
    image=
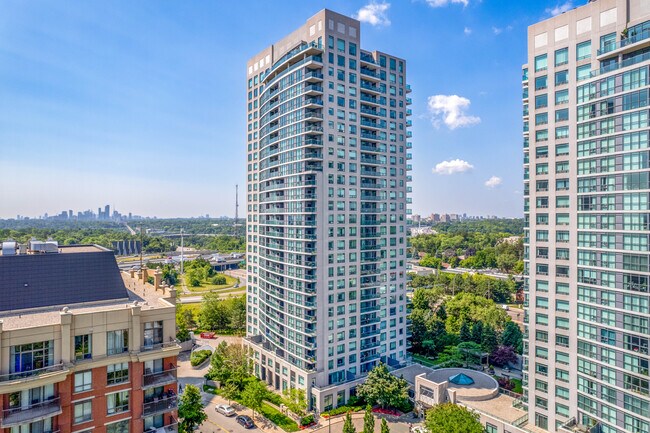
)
(327, 201)
(586, 114)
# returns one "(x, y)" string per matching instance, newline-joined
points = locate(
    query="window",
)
(83, 411)
(562, 97)
(607, 42)
(541, 101)
(83, 347)
(117, 342)
(583, 50)
(562, 115)
(29, 357)
(561, 56)
(153, 333)
(83, 381)
(562, 132)
(117, 373)
(541, 82)
(541, 63)
(117, 402)
(561, 77)
(489, 428)
(118, 427)
(583, 72)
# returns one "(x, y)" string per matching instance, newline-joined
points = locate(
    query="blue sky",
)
(141, 105)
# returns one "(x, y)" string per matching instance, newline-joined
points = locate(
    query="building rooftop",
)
(35, 287)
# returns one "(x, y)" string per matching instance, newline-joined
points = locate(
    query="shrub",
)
(306, 420)
(218, 280)
(274, 398)
(342, 409)
(198, 357)
(279, 419)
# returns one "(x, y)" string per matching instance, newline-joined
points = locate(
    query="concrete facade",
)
(327, 196)
(586, 207)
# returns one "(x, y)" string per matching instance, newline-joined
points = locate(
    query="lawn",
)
(207, 287)
(423, 360)
(519, 389)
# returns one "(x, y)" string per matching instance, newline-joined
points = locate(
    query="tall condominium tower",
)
(586, 103)
(326, 196)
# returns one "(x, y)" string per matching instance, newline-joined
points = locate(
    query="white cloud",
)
(450, 109)
(499, 30)
(452, 167)
(441, 3)
(374, 14)
(493, 182)
(467, 31)
(560, 8)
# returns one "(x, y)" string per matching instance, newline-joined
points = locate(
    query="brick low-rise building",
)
(82, 346)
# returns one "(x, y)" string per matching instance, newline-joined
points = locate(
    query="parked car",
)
(505, 307)
(226, 410)
(245, 421)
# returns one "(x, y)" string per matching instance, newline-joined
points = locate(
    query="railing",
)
(170, 428)
(614, 66)
(159, 378)
(611, 46)
(30, 373)
(24, 414)
(158, 346)
(161, 405)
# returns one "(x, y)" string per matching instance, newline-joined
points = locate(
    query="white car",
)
(505, 307)
(226, 410)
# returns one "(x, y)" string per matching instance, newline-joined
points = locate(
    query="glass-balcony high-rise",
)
(328, 150)
(586, 107)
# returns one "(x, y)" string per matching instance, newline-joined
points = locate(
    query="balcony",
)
(631, 43)
(160, 346)
(36, 373)
(169, 428)
(159, 406)
(160, 378)
(34, 412)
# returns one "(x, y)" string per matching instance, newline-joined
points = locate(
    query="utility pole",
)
(141, 248)
(182, 251)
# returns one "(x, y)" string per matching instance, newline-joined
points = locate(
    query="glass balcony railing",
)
(160, 378)
(25, 414)
(631, 39)
(160, 405)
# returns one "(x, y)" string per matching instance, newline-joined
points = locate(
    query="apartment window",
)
(541, 101)
(117, 373)
(489, 428)
(561, 56)
(561, 97)
(83, 347)
(561, 77)
(117, 341)
(117, 402)
(583, 50)
(83, 411)
(153, 333)
(583, 72)
(607, 42)
(562, 132)
(83, 381)
(541, 63)
(562, 116)
(541, 82)
(34, 356)
(118, 427)
(541, 118)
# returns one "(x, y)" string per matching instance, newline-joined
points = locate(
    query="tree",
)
(218, 369)
(513, 337)
(384, 426)
(470, 352)
(253, 395)
(368, 421)
(190, 410)
(465, 334)
(229, 391)
(477, 332)
(503, 355)
(348, 426)
(384, 389)
(231, 363)
(489, 340)
(450, 418)
(295, 400)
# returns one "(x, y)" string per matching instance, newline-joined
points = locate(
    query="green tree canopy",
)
(368, 421)
(190, 410)
(451, 418)
(253, 395)
(348, 426)
(384, 389)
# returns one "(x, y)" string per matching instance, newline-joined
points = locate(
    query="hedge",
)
(198, 357)
(278, 418)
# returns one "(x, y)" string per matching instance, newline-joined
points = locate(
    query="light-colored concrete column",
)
(136, 325)
(66, 336)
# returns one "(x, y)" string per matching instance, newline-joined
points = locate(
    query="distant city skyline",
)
(130, 103)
